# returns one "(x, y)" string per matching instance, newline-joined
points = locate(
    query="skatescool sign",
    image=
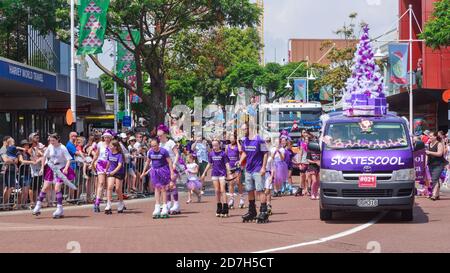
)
(367, 160)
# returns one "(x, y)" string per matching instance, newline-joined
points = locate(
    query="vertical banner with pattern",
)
(300, 89)
(398, 59)
(92, 14)
(126, 64)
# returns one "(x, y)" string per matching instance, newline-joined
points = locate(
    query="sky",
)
(286, 19)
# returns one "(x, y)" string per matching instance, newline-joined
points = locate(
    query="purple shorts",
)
(101, 166)
(49, 176)
(160, 177)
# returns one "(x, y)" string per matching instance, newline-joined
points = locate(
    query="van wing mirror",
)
(419, 145)
(314, 146)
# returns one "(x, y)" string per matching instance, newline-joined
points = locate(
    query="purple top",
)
(159, 159)
(114, 160)
(255, 151)
(233, 155)
(218, 160)
(287, 157)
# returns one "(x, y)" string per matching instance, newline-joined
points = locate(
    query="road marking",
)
(329, 238)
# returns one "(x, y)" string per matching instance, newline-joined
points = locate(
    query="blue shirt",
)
(72, 150)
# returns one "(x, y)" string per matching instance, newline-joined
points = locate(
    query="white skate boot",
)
(231, 203)
(120, 207)
(241, 203)
(175, 209)
(108, 209)
(59, 212)
(157, 211)
(169, 205)
(164, 212)
(37, 208)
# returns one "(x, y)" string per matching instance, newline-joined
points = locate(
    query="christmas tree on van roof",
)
(364, 94)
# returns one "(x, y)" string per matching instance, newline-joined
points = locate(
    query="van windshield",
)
(366, 135)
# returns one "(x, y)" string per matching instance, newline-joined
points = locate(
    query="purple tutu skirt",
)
(281, 172)
(193, 184)
(160, 177)
(49, 176)
(101, 166)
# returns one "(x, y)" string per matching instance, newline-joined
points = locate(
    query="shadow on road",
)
(392, 217)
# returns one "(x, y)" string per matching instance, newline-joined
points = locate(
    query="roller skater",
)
(99, 163)
(56, 156)
(161, 176)
(233, 151)
(255, 155)
(269, 177)
(115, 173)
(171, 147)
(218, 160)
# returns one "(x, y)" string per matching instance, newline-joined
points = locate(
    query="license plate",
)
(367, 181)
(367, 203)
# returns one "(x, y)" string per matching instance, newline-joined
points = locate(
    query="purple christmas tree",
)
(364, 93)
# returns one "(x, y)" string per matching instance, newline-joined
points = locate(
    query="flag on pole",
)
(126, 64)
(398, 60)
(300, 89)
(92, 15)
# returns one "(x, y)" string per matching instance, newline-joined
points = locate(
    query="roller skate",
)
(224, 212)
(231, 204)
(263, 216)
(59, 212)
(219, 209)
(108, 210)
(269, 209)
(96, 208)
(251, 214)
(37, 208)
(121, 207)
(242, 203)
(175, 209)
(164, 212)
(157, 211)
(299, 192)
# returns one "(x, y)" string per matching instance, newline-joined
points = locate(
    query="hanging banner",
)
(126, 65)
(92, 15)
(326, 93)
(398, 60)
(300, 89)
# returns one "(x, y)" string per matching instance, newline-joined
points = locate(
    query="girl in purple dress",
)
(161, 175)
(56, 170)
(99, 163)
(115, 172)
(233, 151)
(219, 162)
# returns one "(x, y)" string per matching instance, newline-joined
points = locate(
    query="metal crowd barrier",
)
(20, 186)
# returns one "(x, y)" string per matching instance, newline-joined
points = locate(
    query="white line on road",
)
(329, 238)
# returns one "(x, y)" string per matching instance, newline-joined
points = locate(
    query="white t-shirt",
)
(101, 148)
(191, 168)
(57, 156)
(276, 156)
(169, 145)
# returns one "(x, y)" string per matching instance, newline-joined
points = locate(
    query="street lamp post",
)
(73, 74)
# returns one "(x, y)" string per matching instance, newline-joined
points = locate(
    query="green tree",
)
(201, 61)
(159, 22)
(16, 15)
(437, 30)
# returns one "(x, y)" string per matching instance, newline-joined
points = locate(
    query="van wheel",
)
(325, 214)
(407, 215)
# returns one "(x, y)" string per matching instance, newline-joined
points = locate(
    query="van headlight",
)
(330, 175)
(405, 175)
